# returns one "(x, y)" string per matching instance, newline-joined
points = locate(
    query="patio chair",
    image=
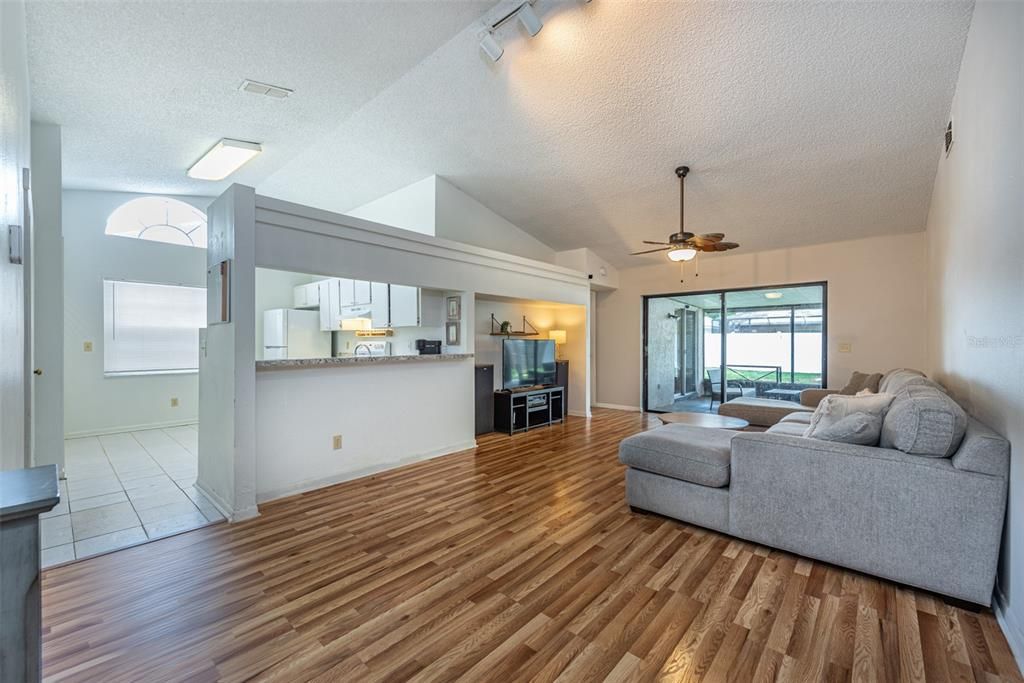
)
(733, 388)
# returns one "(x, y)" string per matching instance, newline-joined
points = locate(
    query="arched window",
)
(160, 219)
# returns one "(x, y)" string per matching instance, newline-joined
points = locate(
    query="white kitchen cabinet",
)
(330, 312)
(361, 293)
(307, 296)
(405, 306)
(346, 293)
(379, 304)
(432, 309)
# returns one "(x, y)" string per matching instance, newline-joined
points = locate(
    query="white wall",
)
(976, 264)
(544, 317)
(275, 289)
(435, 206)
(463, 219)
(47, 297)
(603, 275)
(14, 155)
(227, 357)
(876, 303)
(410, 208)
(387, 415)
(94, 403)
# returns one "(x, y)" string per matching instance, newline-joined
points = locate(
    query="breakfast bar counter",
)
(306, 363)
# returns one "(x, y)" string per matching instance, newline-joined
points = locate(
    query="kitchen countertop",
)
(299, 363)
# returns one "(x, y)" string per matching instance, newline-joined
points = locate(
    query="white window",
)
(151, 329)
(160, 219)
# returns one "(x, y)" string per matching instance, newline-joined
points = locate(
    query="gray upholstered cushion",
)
(694, 454)
(799, 418)
(858, 428)
(894, 380)
(924, 421)
(834, 408)
(859, 381)
(789, 428)
(763, 412)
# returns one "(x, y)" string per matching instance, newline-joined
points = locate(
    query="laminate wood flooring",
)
(518, 561)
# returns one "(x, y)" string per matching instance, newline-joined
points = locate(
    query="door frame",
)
(645, 298)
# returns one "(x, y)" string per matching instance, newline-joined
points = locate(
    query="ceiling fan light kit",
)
(684, 246)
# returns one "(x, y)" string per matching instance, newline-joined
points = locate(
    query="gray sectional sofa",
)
(925, 508)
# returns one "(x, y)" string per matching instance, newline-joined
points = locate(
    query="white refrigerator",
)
(290, 333)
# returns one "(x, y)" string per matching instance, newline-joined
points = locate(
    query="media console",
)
(520, 411)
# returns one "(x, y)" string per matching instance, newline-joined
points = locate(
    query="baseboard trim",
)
(1012, 628)
(274, 494)
(579, 413)
(616, 406)
(219, 503)
(130, 428)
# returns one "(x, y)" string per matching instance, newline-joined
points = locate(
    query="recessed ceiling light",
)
(773, 295)
(223, 159)
(255, 87)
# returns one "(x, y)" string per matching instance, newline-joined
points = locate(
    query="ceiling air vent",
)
(949, 136)
(257, 88)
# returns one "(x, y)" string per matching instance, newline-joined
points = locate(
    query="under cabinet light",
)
(223, 159)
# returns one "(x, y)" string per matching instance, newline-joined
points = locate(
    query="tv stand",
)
(521, 411)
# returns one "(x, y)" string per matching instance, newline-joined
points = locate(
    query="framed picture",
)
(451, 334)
(454, 308)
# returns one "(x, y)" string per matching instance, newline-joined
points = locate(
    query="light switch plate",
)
(174, 402)
(87, 346)
(845, 347)
(336, 442)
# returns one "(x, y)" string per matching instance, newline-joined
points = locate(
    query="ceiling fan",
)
(682, 245)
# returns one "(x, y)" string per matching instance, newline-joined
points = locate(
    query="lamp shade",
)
(557, 335)
(681, 254)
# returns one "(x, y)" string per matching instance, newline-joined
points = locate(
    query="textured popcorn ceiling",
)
(802, 122)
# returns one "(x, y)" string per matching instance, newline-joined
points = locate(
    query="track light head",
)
(491, 47)
(529, 19)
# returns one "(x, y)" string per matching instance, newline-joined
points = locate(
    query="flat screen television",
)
(527, 363)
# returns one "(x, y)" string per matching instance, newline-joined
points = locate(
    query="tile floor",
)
(123, 489)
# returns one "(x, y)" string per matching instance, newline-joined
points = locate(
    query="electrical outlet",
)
(336, 442)
(845, 347)
(174, 402)
(87, 346)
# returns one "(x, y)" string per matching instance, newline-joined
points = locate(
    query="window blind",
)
(150, 328)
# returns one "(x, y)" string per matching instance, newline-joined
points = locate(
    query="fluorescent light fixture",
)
(356, 324)
(529, 19)
(773, 295)
(681, 254)
(223, 159)
(492, 47)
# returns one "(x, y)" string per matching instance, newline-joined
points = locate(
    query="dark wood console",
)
(520, 411)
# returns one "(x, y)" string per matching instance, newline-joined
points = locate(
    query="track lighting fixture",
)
(527, 17)
(491, 47)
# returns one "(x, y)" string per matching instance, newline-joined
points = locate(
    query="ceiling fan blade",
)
(725, 246)
(713, 237)
(650, 242)
(649, 251)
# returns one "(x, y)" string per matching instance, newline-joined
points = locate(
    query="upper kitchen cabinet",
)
(379, 305)
(405, 306)
(307, 296)
(361, 293)
(330, 310)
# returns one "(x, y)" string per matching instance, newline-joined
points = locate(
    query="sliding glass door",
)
(703, 348)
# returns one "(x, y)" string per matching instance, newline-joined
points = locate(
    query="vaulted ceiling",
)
(802, 122)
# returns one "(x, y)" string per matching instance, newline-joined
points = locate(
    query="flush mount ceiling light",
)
(275, 91)
(527, 17)
(223, 159)
(681, 254)
(773, 295)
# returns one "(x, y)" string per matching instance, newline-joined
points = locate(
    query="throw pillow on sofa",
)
(856, 428)
(835, 407)
(924, 420)
(860, 381)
